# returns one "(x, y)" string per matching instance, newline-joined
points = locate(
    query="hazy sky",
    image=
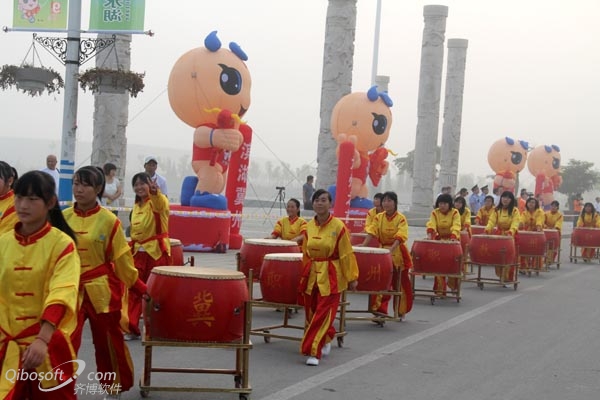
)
(532, 73)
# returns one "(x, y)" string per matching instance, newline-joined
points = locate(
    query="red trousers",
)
(320, 312)
(112, 355)
(379, 303)
(144, 264)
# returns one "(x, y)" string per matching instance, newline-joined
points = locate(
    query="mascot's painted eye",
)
(230, 80)
(379, 123)
(555, 163)
(516, 157)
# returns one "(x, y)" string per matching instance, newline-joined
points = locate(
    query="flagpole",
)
(376, 44)
(69, 126)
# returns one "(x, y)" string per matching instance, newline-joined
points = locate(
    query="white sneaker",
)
(314, 361)
(326, 349)
(130, 336)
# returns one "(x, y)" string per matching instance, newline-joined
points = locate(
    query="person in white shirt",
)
(597, 204)
(112, 189)
(150, 165)
(51, 169)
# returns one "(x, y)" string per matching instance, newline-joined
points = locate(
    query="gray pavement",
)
(537, 342)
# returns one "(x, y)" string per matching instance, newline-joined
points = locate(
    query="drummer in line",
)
(506, 220)
(150, 243)
(483, 215)
(377, 208)
(553, 219)
(532, 220)
(444, 224)
(291, 226)
(589, 218)
(391, 229)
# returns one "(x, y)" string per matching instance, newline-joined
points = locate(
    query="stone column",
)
(428, 109)
(453, 102)
(338, 57)
(111, 111)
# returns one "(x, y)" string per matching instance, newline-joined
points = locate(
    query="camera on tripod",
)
(280, 187)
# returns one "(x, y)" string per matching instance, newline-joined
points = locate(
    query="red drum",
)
(359, 238)
(196, 304)
(280, 276)
(176, 252)
(552, 238)
(531, 243)
(492, 250)
(586, 237)
(477, 229)
(437, 257)
(374, 268)
(465, 241)
(254, 250)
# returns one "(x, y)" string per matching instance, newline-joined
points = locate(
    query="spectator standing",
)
(475, 200)
(307, 192)
(113, 189)
(51, 169)
(150, 165)
(597, 204)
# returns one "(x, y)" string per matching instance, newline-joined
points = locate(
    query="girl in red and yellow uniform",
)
(106, 264)
(292, 226)
(8, 217)
(377, 208)
(505, 219)
(483, 215)
(444, 224)
(465, 226)
(532, 220)
(149, 239)
(589, 218)
(391, 229)
(39, 277)
(329, 269)
(553, 220)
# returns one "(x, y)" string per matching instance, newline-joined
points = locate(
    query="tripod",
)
(280, 196)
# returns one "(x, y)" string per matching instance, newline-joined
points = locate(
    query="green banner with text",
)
(117, 15)
(49, 14)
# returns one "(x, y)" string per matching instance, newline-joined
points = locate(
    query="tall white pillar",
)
(453, 102)
(338, 56)
(428, 109)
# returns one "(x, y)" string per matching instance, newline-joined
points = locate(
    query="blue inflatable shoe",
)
(208, 200)
(332, 189)
(188, 187)
(361, 202)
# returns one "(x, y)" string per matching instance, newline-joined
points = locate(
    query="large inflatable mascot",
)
(209, 89)
(544, 164)
(507, 157)
(364, 119)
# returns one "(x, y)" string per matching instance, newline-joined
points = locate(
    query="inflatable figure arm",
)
(539, 183)
(556, 181)
(225, 136)
(378, 166)
(341, 138)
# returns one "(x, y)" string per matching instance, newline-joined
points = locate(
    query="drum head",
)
(199, 272)
(270, 242)
(283, 256)
(175, 242)
(370, 250)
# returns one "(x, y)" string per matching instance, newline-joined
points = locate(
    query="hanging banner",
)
(51, 14)
(117, 15)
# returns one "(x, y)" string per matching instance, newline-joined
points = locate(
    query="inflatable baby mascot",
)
(209, 89)
(507, 157)
(544, 163)
(365, 119)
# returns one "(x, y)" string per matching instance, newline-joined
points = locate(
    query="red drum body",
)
(552, 238)
(531, 243)
(194, 304)
(176, 252)
(492, 249)
(437, 257)
(374, 268)
(586, 237)
(280, 276)
(359, 238)
(477, 229)
(254, 250)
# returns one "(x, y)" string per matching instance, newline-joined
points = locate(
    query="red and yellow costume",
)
(288, 228)
(39, 278)
(388, 229)
(506, 224)
(588, 220)
(553, 220)
(106, 263)
(465, 220)
(483, 215)
(329, 264)
(150, 246)
(444, 226)
(8, 216)
(370, 218)
(532, 221)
